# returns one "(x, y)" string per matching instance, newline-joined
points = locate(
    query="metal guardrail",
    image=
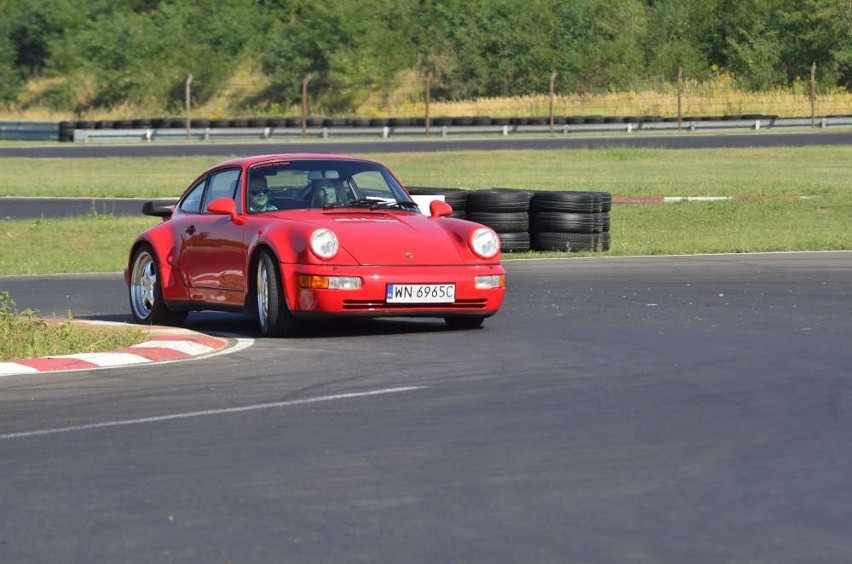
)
(29, 130)
(50, 131)
(209, 134)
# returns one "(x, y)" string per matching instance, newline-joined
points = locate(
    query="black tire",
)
(570, 242)
(464, 321)
(270, 307)
(146, 296)
(502, 222)
(498, 200)
(517, 242)
(565, 222)
(566, 201)
(66, 131)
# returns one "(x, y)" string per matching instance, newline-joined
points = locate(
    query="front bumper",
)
(369, 300)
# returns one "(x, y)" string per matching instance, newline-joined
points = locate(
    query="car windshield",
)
(325, 184)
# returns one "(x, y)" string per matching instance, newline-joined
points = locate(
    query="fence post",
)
(813, 95)
(679, 98)
(305, 104)
(552, 89)
(428, 99)
(188, 105)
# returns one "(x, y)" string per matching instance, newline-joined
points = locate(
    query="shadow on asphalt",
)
(238, 325)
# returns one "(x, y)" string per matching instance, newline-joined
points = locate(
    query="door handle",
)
(190, 229)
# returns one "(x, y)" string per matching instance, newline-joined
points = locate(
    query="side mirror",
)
(438, 208)
(226, 206)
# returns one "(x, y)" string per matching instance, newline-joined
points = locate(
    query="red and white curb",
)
(680, 199)
(164, 344)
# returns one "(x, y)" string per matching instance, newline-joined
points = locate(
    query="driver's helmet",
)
(326, 194)
(258, 193)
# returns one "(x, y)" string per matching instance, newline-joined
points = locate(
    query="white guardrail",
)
(50, 130)
(209, 133)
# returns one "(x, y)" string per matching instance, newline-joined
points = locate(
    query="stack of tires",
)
(456, 197)
(506, 211)
(570, 221)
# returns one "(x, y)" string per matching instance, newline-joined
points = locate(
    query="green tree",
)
(144, 57)
(680, 35)
(10, 79)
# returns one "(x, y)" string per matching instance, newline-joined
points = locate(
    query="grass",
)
(777, 221)
(23, 335)
(805, 171)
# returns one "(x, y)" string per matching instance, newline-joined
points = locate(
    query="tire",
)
(498, 200)
(270, 307)
(502, 222)
(146, 295)
(517, 242)
(565, 201)
(566, 222)
(570, 242)
(464, 321)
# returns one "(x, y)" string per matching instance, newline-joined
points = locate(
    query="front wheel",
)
(273, 315)
(146, 295)
(464, 322)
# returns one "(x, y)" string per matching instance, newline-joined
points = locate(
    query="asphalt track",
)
(666, 409)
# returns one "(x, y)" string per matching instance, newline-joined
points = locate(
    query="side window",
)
(372, 183)
(222, 185)
(192, 202)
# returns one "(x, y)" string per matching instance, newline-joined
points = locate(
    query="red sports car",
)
(284, 238)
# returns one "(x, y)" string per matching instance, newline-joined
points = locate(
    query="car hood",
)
(394, 238)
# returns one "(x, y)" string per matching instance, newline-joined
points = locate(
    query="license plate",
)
(421, 293)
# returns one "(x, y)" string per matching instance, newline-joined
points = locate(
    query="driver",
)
(325, 194)
(259, 195)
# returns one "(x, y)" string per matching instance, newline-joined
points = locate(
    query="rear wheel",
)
(273, 315)
(464, 322)
(146, 295)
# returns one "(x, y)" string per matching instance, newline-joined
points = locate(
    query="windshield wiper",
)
(375, 204)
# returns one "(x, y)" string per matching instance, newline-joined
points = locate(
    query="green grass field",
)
(776, 220)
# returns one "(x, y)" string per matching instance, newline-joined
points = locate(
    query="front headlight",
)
(324, 243)
(485, 242)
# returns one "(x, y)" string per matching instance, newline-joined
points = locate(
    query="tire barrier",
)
(561, 221)
(570, 221)
(506, 211)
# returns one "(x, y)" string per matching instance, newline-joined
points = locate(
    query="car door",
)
(213, 250)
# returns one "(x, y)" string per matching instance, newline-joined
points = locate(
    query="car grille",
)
(368, 305)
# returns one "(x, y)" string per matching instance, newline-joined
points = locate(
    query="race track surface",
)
(361, 146)
(666, 409)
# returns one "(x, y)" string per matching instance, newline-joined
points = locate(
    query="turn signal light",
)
(317, 282)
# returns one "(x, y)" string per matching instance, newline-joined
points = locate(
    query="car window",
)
(192, 201)
(222, 185)
(373, 184)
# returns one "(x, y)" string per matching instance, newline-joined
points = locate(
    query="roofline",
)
(256, 159)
